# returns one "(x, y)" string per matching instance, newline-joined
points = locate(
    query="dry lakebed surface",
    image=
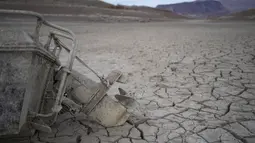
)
(194, 81)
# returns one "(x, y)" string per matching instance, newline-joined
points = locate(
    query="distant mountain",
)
(197, 8)
(236, 5)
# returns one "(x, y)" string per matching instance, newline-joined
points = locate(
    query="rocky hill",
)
(236, 5)
(246, 13)
(96, 3)
(89, 10)
(243, 15)
(197, 8)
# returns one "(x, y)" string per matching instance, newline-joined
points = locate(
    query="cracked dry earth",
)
(194, 82)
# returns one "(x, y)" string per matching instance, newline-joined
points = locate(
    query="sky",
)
(151, 3)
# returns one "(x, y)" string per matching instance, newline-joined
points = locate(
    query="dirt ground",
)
(193, 80)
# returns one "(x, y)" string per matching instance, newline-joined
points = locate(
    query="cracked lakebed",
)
(194, 82)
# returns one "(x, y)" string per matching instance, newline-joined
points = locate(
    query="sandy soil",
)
(195, 81)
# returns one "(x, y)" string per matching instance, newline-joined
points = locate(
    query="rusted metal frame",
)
(71, 56)
(46, 91)
(103, 81)
(47, 45)
(36, 36)
(66, 70)
(61, 35)
(70, 62)
(56, 46)
(77, 58)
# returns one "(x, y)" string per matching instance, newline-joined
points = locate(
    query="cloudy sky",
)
(151, 3)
